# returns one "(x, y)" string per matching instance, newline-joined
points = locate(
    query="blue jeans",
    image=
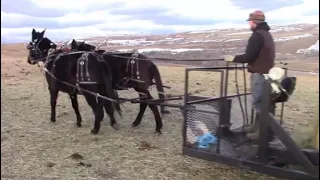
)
(256, 83)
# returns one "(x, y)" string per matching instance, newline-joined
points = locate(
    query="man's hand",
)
(228, 58)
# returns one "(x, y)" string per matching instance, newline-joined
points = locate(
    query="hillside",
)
(293, 42)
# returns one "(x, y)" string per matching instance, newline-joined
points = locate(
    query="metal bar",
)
(245, 97)
(226, 81)
(222, 108)
(248, 165)
(203, 111)
(222, 114)
(155, 100)
(221, 83)
(282, 104)
(182, 107)
(212, 68)
(122, 100)
(160, 59)
(184, 112)
(168, 105)
(195, 98)
(263, 133)
(203, 99)
(292, 147)
(285, 157)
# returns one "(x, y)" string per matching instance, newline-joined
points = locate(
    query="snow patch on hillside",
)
(312, 48)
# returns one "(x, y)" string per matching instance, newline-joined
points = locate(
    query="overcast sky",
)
(84, 18)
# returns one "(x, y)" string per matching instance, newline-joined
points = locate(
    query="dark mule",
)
(129, 72)
(82, 46)
(134, 70)
(75, 73)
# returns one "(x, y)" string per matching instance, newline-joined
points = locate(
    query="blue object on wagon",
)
(205, 140)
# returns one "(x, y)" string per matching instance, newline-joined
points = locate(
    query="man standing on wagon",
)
(260, 55)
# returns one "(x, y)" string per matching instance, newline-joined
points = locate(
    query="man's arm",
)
(254, 46)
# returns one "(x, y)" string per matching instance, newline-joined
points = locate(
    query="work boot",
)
(254, 135)
(252, 127)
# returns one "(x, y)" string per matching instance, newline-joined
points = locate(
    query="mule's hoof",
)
(134, 125)
(94, 131)
(158, 131)
(79, 125)
(116, 126)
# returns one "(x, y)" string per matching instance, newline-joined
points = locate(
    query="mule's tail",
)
(107, 78)
(156, 75)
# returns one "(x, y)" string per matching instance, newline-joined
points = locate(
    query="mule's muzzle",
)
(30, 60)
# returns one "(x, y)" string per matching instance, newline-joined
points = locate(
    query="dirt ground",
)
(34, 148)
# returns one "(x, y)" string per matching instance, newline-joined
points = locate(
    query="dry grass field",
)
(33, 148)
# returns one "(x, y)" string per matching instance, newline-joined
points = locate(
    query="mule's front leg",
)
(97, 107)
(53, 103)
(75, 105)
(109, 107)
(157, 118)
(156, 114)
(98, 114)
(142, 109)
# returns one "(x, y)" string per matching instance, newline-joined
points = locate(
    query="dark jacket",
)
(260, 51)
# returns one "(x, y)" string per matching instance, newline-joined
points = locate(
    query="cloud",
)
(72, 19)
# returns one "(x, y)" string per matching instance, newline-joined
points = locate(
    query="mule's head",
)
(81, 46)
(39, 47)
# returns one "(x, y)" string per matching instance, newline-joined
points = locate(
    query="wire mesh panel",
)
(241, 110)
(198, 123)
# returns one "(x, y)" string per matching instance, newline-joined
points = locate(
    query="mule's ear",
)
(73, 44)
(42, 33)
(33, 34)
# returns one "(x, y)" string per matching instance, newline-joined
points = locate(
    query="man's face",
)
(252, 25)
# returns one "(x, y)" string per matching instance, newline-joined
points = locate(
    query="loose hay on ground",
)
(33, 148)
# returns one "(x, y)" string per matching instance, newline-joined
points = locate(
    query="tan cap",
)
(257, 16)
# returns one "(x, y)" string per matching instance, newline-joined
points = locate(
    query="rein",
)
(97, 95)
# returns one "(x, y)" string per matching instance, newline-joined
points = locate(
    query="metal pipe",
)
(245, 91)
(282, 104)
(184, 110)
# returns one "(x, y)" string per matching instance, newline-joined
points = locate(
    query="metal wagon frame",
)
(265, 159)
(260, 161)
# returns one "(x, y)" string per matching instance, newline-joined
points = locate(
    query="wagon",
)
(225, 115)
(232, 148)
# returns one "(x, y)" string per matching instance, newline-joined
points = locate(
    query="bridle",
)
(34, 46)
